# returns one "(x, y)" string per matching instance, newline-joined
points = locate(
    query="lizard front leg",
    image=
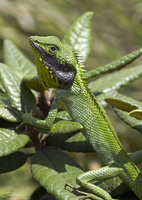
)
(60, 127)
(43, 124)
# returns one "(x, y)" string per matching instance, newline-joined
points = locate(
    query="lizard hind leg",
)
(103, 173)
(86, 195)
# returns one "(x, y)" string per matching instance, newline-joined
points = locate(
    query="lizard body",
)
(58, 67)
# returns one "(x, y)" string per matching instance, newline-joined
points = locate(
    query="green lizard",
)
(58, 67)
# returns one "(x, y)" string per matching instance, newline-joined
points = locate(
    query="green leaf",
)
(18, 94)
(65, 127)
(116, 80)
(53, 169)
(15, 59)
(12, 162)
(79, 35)
(64, 115)
(129, 196)
(136, 157)
(136, 114)
(33, 83)
(10, 141)
(62, 127)
(53, 173)
(72, 142)
(134, 123)
(122, 104)
(47, 197)
(101, 97)
(117, 64)
(7, 124)
(40, 193)
(5, 112)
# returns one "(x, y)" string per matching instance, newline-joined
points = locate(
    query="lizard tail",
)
(137, 186)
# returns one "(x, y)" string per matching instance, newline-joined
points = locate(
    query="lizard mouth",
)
(63, 72)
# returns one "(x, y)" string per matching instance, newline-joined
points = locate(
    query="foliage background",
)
(117, 31)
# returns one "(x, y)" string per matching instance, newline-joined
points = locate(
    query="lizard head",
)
(55, 62)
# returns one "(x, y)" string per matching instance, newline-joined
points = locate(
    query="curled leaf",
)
(121, 104)
(136, 114)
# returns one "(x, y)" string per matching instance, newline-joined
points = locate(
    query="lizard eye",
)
(66, 69)
(52, 49)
